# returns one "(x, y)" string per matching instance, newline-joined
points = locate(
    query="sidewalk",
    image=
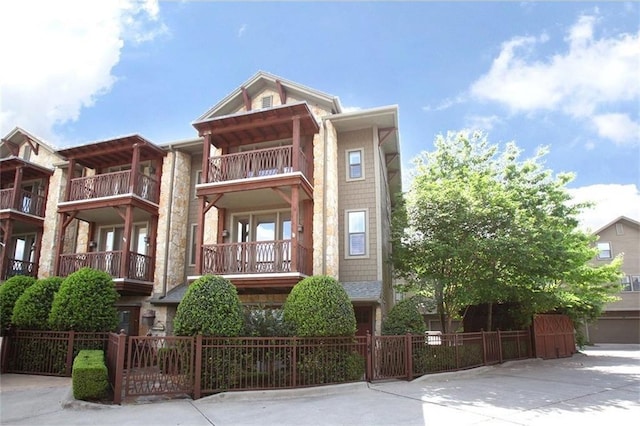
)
(601, 386)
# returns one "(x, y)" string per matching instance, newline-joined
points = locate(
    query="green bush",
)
(318, 306)
(404, 318)
(31, 311)
(210, 307)
(265, 322)
(85, 302)
(89, 376)
(436, 358)
(10, 291)
(324, 365)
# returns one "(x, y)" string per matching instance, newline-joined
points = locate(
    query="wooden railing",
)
(253, 258)
(257, 163)
(19, 267)
(112, 184)
(139, 266)
(25, 202)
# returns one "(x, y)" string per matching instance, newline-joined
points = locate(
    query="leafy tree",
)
(85, 302)
(32, 308)
(10, 291)
(210, 307)
(318, 306)
(404, 317)
(264, 321)
(481, 226)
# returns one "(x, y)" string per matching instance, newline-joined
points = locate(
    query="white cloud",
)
(242, 29)
(611, 201)
(61, 56)
(618, 127)
(582, 82)
(445, 104)
(482, 122)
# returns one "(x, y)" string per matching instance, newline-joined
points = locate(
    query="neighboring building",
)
(26, 170)
(620, 321)
(279, 184)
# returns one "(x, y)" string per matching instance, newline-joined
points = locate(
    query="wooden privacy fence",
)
(146, 365)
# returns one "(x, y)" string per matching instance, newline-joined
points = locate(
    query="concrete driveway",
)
(602, 384)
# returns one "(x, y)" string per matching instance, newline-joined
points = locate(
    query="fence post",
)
(294, 362)
(408, 357)
(455, 344)
(369, 360)
(197, 370)
(7, 341)
(119, 374)
(69, 364)
(484, 348)
(499, 347)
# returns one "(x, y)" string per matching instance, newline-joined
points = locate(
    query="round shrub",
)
(318, 306)
(10, 291)
(210, 307)
(32, 308)
(85, 302)
(404, 318)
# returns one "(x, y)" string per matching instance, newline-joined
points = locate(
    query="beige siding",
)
(356, 195)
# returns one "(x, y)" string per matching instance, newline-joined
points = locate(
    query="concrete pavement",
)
(602, 384)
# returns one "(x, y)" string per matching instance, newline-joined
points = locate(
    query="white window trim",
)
(347, 165)
(195, 191)
(367, 230)
(610, 250)
(192, 249)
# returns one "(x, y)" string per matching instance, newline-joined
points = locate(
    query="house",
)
(278, 183)
(26, 171)
(620, 321)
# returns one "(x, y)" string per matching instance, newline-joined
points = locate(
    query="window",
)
(354, 165)
(619, 229)
(192, 244)
(198, 181)
(604, 250)
(267, 101)
(26, 154)
(356, 233)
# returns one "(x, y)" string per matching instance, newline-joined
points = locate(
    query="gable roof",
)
(261, 80)
(18, 136)
(616, 220)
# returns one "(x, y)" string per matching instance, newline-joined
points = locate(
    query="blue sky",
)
(561, 74)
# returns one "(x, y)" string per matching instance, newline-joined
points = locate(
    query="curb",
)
(68, 402)
(285, 393)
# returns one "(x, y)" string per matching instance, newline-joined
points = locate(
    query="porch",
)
(127, 182)
(22, 201)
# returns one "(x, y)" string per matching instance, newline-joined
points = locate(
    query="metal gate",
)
(554, 336)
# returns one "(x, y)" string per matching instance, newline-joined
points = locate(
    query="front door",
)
(129, 319)
(364, 320)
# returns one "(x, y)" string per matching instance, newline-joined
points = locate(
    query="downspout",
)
(324, 201)
(168, 227)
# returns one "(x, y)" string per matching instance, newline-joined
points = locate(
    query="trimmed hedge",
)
(85, 302)
(404, 318)
(210, 307)
(89, 376)
(10, 291)
(318, 306)
(31, 311)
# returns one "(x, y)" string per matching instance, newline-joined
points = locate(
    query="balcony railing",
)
(111, 184)
(257, 163)
(253, 258)
(19, 267)
(25, 202)
(139, 265)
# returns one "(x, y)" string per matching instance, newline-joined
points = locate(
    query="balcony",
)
(139, 269)
(264, 257)
(114, 184)
(19, 267)
(257, 164)
(24, 202)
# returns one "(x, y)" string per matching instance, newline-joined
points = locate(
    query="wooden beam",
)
(281, 92)
(250, 125)
(246, 98)
(34, 145)
(15, 149)
(390, 157)
(281, 193)
(384, 133)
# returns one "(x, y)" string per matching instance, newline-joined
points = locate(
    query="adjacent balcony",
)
(22, 201)
(264, 257)
(19, 267)
(138, 268)
(114, 184)
(257, 163)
